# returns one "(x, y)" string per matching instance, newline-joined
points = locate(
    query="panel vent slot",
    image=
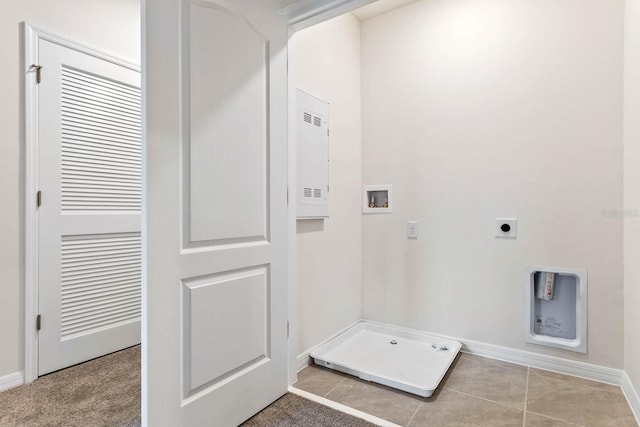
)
(101, 282)
(101, 144)
(308, 192)
(307, 117)
(317, 121)
(317, 193)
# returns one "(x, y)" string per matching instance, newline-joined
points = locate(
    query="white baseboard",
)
(631, 393)
(574, 368)
(11, 381)
(506, 354)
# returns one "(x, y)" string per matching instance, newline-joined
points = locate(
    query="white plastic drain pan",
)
(407, 360)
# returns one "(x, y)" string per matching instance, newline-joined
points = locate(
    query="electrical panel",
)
(313, 156)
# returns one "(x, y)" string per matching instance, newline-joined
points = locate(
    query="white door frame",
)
(32, 36)
(301, 15)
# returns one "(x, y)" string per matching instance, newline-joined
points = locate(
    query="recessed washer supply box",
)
(561, 321)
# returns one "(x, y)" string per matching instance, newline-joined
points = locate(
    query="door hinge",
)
(327, 131)
(38, 69)
(39, 198)
(287, 197)
(287, 329)
(38, 322)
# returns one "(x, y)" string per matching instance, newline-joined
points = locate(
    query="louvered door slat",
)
(109, 320)
(114, 283)
(71, 280)
(98, 292)
(97, 80)
(73, 85)
(102, 113)
(104, 270)
(97, 147)
(84, 88)
(102, 147)
(97, 182)
(80, 262)
(101, 125)
(105, 301)
(106, 121)
(74, 99)
(86, 132)
(101, 277)
(91, 127)
(98, 160)
(89, 83)
(103, 171)
(97, 252)
(99, 315)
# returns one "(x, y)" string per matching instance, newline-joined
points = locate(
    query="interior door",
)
(215, 329)
(89, 176)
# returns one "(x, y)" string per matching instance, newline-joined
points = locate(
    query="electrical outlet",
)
(507, 227)
(412, 229)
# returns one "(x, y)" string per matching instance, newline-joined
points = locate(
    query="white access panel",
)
(560, 322)
(313, 156)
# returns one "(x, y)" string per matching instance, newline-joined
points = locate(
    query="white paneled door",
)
(215, 330)
(89, 177)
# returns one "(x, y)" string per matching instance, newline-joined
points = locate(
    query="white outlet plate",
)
(513, 227)
(412, 229)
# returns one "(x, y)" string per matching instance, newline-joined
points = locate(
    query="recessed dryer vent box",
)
(556, 308)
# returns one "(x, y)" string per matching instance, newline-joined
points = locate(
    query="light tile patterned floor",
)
(481, 392)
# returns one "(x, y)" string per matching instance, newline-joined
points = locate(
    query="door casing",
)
(301, 15)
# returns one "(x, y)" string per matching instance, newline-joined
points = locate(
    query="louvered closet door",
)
(89, 221)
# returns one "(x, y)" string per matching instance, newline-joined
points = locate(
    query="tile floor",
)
(481, 392)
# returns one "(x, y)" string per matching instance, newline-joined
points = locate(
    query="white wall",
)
(112, 26)
(324, 61)
(632, 192)
(478, 109)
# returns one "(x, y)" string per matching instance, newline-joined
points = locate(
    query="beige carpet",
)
(105, 392)
(101, 392)
(291, 411)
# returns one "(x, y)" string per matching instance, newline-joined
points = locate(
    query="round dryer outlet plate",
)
(506, 227)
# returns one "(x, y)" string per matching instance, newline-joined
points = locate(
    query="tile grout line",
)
(504, 364)
(592, 387)
(526, 398)
(557, 419)
(498, 363)
(414, 414)
(531, 373)
(483, 398)
(334, 387)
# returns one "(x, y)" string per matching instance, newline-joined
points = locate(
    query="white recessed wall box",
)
(313, 156)
(556, 308)
(377, 199)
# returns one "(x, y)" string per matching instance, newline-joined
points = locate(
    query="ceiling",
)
(379, 7)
